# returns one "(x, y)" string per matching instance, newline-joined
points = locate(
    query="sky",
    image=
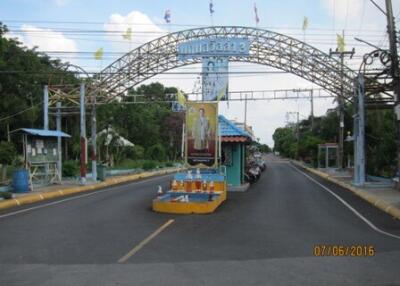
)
(73, 30)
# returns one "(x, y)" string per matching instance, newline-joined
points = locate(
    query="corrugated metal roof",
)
(227, 128)
(44, 133)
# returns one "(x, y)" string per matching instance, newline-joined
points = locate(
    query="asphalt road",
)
(265, 236)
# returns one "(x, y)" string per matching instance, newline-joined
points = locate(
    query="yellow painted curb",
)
(374, 200)
(33, 198)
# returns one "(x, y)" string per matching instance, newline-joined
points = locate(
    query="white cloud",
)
(142, 27)
(46, 39)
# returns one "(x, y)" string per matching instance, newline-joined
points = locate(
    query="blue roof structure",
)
(228, 128)
(44, 132)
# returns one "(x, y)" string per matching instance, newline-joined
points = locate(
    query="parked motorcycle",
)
(252, 172)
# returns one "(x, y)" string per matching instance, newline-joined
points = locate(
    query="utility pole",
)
(395, 72)
(8, 132)
(341, 55)
(297, 129)
(83, 139)
(245, 111)
(94, 139)
(297, 135)
(59, 142)
(46, 108)
(312, 108)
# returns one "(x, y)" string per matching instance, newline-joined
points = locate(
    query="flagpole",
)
(211, 10)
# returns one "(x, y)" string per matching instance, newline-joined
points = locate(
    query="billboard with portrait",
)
(201, 134)
(215, 78)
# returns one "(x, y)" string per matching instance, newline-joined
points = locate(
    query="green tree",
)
(285, 141)
(156, 152)
(7, 156)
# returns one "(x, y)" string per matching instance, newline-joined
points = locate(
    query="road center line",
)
(369, 223)
(134, 250)
(78, 197)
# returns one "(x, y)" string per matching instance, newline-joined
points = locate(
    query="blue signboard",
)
(213, 47)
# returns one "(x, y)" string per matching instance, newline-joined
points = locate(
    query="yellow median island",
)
(198, 194)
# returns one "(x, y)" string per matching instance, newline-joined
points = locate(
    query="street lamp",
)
(349, 138)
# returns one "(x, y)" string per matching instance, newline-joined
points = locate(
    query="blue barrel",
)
(20, 181)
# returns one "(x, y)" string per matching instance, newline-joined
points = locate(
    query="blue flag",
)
(211, 7)
(167, 16)
(256, 14)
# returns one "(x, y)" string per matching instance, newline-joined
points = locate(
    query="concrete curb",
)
(33, 198)
(372, 199)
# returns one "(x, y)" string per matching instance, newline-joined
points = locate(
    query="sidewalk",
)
(73, 187)
(382, 196)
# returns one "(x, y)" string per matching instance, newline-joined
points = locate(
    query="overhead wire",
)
(19, 113)
(161, 24)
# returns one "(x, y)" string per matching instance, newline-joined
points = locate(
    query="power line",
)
(377, 6)
(362, 18)
(159, 24)
(19, 113)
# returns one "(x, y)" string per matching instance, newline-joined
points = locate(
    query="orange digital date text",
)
(344, 250)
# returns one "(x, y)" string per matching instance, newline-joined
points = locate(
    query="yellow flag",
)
(305, 24)
(222, 93)
(340, 42)
(128, 34)
(98, 55)
(181, 98)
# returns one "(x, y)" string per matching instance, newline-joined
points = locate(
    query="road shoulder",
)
(39, 196)
(387, 200)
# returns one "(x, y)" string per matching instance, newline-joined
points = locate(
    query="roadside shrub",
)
(156, 152)
(7, 153)
(6, 195)
(7, 156)
(70, 168)
(148, 165)
(137, 152)
(129, 164)
(169, 164)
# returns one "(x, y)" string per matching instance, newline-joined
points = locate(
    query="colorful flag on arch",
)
(128, 34)
(340, 43)
(211, 6)
(98, 55)
(305, 24)
(181, 98)
(167, 16)
(256, 13)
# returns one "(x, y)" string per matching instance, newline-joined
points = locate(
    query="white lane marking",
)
(76, 197)
(369, 223)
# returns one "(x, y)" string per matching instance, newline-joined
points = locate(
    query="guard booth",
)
(42, 155)
(233, 145)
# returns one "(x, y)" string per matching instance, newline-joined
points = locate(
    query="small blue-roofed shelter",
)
(42, 155)
(233, 145)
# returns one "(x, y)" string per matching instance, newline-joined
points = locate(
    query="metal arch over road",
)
(266, 48)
